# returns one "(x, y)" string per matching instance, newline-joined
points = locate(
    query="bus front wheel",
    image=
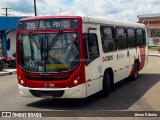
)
(106, 85)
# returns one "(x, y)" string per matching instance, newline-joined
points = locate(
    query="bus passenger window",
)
(144, 37)
(140, 37)
(131, 37)
(85, 46)
(93, 45)
(108, 40)
(90, 45)
(121, 38)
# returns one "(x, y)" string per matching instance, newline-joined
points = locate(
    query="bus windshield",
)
(48, 52)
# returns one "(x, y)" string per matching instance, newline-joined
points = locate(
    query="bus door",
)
(131, 36)
(93, 68)
(123, 54)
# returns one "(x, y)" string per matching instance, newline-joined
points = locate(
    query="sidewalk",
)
(153, 53)
(7, 72)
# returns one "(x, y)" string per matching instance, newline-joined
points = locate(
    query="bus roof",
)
(89, 19)
(107, 21)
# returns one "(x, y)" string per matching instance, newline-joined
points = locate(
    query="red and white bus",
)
(75, 56)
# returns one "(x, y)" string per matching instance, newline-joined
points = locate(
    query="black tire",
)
(14, 64)
(1, 66)
(135, 74)
(106, 85)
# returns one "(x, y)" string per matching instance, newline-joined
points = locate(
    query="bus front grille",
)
(47, 78)
(39, 93)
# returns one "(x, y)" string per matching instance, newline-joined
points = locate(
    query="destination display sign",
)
(49, 24)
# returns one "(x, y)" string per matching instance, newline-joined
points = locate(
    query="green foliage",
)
(156, 33)
(152, 47)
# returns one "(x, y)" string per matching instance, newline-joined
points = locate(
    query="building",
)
(152, 22)
(8, 30)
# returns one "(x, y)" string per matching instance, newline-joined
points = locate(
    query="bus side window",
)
(91, 50)
(144, 36)
(93, 45)
(85, 46)
(140, 37)
(131, 37)
(108, 39)
(121, 38)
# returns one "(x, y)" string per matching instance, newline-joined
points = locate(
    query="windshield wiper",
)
(54, 40)
(33, 40)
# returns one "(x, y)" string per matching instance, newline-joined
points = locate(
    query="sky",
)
(126, 10)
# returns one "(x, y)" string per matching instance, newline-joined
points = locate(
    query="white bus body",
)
(115, 50)
(119, 63)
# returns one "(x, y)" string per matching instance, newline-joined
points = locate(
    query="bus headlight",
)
(76, 82)
(22, 82)
(20, 79)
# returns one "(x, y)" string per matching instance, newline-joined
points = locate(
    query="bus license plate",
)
(46, 96)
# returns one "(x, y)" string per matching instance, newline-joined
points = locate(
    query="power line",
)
(6, 9)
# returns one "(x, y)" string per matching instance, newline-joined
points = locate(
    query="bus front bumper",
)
(74, 92)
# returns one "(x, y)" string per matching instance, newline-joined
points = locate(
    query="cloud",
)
(18, 7)
(24, 6)
(117, 9)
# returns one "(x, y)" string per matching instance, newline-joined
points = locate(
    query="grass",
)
(152, 47)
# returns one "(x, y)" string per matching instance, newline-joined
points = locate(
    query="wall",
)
(0, 45)
(12, 36)
(8, 23)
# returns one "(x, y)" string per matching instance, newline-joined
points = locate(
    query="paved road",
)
(140, 95)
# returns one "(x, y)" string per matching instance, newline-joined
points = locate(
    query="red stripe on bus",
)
(142, 56)
(132, 71)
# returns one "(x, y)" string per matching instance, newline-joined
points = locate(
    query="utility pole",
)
(60, 10)
(6, 9)
(35, 10)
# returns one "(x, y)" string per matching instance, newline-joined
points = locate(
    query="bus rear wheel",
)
(106, 85)
(135, 74)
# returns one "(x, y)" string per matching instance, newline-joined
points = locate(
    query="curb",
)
(8, 73)
(154, 55)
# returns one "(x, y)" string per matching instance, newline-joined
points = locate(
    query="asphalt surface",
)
(140, 95)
